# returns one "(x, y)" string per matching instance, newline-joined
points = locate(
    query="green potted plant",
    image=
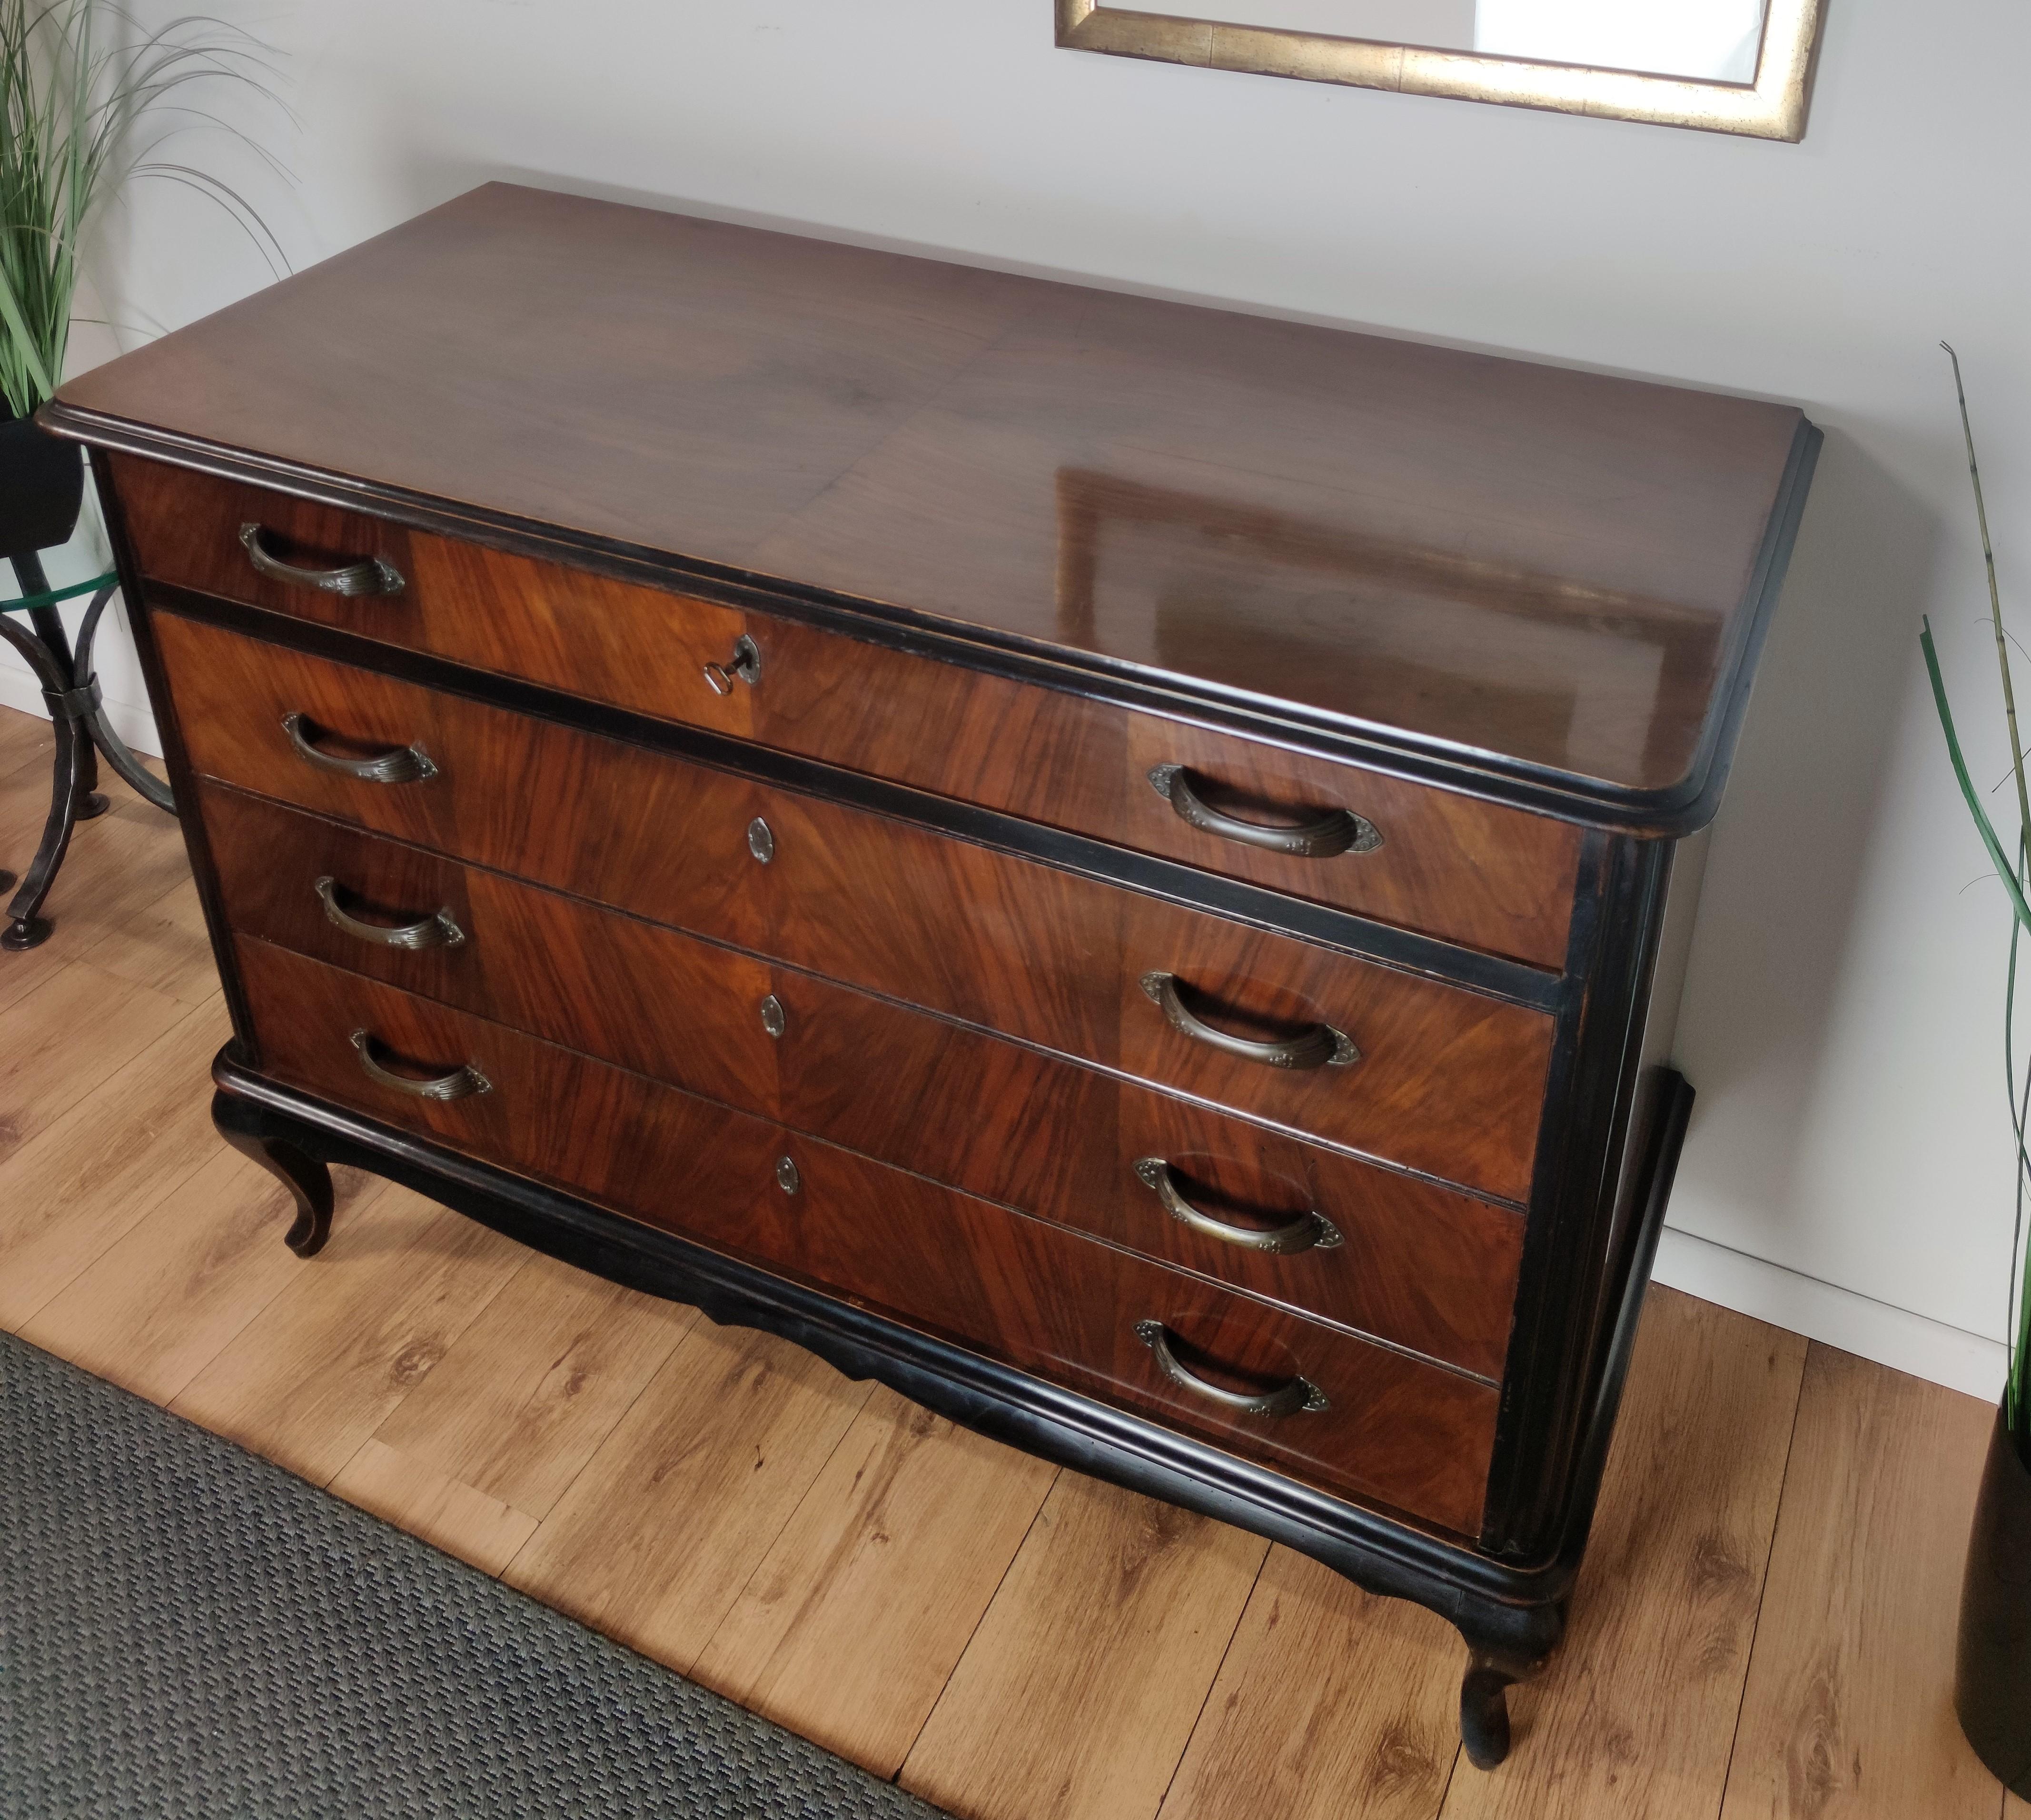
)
(1992, 1679)
(79, 83)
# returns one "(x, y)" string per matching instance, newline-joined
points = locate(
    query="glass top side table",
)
(31, 621)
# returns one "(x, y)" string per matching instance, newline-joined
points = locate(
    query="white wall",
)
(1848, 1169)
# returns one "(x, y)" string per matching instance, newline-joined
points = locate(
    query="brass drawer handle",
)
(438, 931)
(403, 765)
(1309, 1231)
(369, 576)
(1319, 1047)
(747, 665)
(456, 1085)
(1336, 831)
(1288, 1399)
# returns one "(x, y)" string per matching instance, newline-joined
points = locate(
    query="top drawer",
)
(1490, 878)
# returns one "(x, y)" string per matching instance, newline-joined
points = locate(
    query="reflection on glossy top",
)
(1543, 565)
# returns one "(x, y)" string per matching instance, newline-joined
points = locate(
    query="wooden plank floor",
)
(1764, 1627)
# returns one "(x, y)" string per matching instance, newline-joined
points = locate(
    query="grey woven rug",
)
(186, 1631)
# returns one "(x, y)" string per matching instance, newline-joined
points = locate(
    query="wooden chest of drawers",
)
(1117, 868)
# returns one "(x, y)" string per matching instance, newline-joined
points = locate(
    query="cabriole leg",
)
(308, 1181)
(1484, 1710)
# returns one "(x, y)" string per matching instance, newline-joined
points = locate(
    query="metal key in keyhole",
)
(747, 665)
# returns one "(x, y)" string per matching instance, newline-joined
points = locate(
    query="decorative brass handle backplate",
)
(1307, 1233)
(1289, 1399)
(1336, 831)
(407, 764)
(457, 1085)
(438, 931)
(1320, 1045)
(368, 575)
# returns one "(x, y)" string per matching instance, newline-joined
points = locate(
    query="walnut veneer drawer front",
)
(1424, 859)
(1409, 1433)
(1413, 1263)
(1436, 1077)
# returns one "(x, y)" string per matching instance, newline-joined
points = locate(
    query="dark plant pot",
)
(1993, 1678)
(42, 487)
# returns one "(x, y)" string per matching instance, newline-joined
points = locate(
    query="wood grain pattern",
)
(1449, 865)
(41, 1072)
(123, 901)
(1398, 1430)
(319, 1369)
(1329, 1702)
(891, 1559)
(526, 1393)
(654, 1540)
(1636, 1711)
(111, 1155)
(1848, 1714)
(170, 1294)
(1509, 545)
(25, 740)
(1450, 1082)
(1421, 1266)
(446, 1511)
(164, 945)
(631, 992)
(638, 647)
(1075, 1697)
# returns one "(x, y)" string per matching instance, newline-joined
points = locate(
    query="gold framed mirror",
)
(1741, 66)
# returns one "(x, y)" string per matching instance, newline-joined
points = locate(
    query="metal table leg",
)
(71, 689)
(49, 627)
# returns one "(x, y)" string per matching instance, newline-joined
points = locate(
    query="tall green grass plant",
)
(90, 96)
(2013, 867)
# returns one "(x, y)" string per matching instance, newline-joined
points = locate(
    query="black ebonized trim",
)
(1751, 626)
(1666, 1115)
(1565, 1289)
(162, 700)
(1402, 949)
(1515, 1615)
(1678, 811)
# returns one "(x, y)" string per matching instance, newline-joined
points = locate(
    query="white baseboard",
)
(135, 725)
(1837, 1317)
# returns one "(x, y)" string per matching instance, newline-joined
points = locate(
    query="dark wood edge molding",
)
(1513, 1614)
(174, 754)
(1591, 1098)
(1403, 949)
(1668, 1112)
(1679, 810)
(1750, 627)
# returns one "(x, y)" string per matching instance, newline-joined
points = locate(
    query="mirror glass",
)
(1696, 40)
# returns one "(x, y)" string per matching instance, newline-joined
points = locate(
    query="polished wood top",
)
(1508, 572)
